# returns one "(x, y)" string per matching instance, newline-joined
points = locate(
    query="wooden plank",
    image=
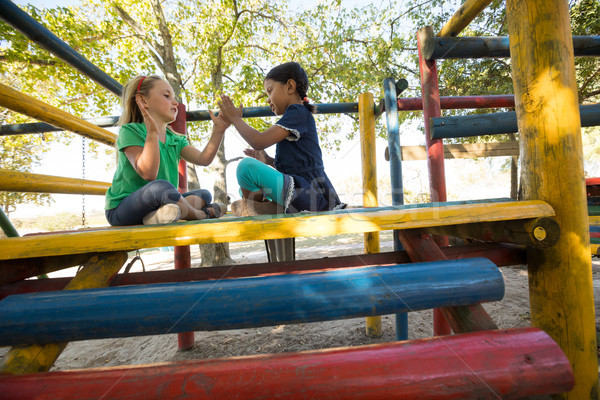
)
(24, 104)
(16, 181)
(464, 150)
(27, 359)
(267, 227)
(511, 363)
(560, 277)
(245, 303)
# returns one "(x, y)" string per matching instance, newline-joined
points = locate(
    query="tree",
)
(30, 69)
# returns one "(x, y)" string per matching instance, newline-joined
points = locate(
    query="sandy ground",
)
(512, 311)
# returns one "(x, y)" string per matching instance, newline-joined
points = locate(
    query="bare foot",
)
(246, 208)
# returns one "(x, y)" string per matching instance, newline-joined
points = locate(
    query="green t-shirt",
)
(126, 180)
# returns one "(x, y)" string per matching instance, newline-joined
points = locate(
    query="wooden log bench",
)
(514, 363)
(268, 227)
(63, 316)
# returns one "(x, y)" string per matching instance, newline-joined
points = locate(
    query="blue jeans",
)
(150, 197)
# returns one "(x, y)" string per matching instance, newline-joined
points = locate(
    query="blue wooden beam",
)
(496, 123)
(482, 47)
(244, 303)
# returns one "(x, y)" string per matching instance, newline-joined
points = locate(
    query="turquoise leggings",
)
(254, 175)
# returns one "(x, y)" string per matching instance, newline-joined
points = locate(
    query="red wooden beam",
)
(421, 247)
(495, 364)
(499, 254)
(460, 102)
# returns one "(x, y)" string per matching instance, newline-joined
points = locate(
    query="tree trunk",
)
(217, 254)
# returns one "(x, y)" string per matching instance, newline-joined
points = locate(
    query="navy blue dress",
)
(299, 156)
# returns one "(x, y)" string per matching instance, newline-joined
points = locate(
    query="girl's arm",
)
(258, 140)
(206, 156)
(145, 160)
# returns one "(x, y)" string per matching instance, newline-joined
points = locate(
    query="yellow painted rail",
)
(24, 104)
(463, 17)
(594, 220)
(15, 181)
(266, 227)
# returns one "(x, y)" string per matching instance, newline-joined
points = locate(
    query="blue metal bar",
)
(483, 47)
(496, 123)
(41, 127)
(24, 23)
(64, 316)
(395, 152)
(199, 115)
(255, 112)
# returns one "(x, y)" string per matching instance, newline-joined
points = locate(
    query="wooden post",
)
(560, 277)
(182, 255)
(39, 358)
(435, 148)
(366, 116)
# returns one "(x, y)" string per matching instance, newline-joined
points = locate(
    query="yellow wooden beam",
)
(265, 227)
(366, 116)
(15, 181)
(463, 17)
(594, 220)
(24, 104)
(97, 272)
(560, 277)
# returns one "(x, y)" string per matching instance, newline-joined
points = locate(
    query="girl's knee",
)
(247, 166)
(161, 192)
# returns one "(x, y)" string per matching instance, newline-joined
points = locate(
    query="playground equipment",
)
(489, 363)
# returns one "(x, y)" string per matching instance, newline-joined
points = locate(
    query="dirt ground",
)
(512, 311)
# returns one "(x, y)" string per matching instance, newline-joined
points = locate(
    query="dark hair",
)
(292, 70)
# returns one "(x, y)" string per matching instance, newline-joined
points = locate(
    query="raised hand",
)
(229, 111)
(149, 121)
(260, 155)
(219, 121)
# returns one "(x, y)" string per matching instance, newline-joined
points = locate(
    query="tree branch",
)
(146, 39)
(232, 160)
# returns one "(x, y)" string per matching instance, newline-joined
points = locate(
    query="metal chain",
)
(83, 177)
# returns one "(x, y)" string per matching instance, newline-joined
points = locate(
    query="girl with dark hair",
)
(144, 186)
(297, 182)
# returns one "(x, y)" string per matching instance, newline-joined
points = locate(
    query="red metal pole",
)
(435, 153)
(183, 258)
(494, 364)
(460, 102)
